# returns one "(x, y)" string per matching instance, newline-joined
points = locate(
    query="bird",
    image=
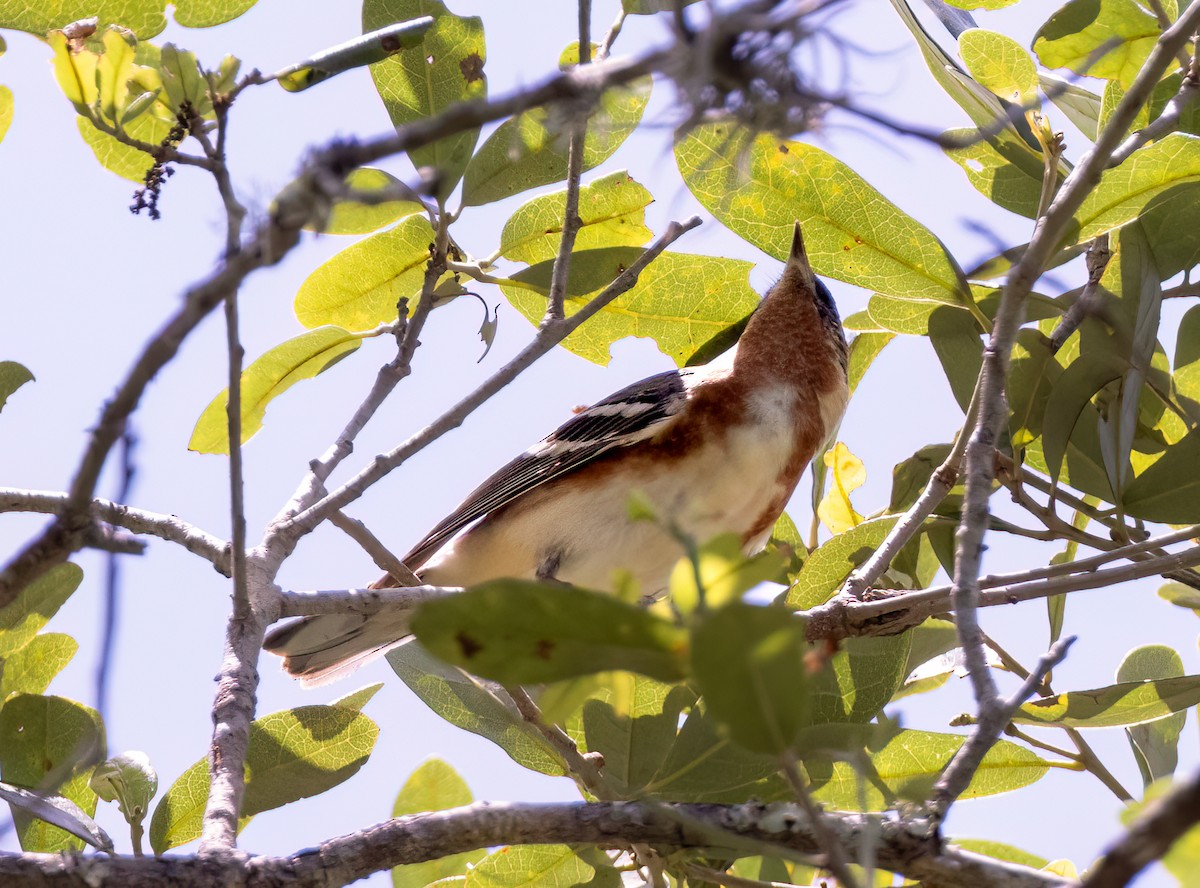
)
(712, 449)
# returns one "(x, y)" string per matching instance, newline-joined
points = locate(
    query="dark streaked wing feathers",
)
(630, 415)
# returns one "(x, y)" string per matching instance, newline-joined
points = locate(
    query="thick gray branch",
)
(429, 836)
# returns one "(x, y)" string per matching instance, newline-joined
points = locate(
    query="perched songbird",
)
(713, 449)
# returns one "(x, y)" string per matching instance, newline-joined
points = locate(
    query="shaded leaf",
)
(270, 375)
(955, 339)
(292, 755)
(373, 46)
(680, 300)
(418, 82)
(57, 811)
(1125, 703)
(356, 700)
(474, 706)
(522, 632)
(352, 217)
(1076, 33)
(749, 666)
(1078, 105)
(859, 680)
(530, 866)
(1073, 392)
(1000, 167)
(359, 287)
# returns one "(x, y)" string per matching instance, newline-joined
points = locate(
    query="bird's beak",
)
(798, 260)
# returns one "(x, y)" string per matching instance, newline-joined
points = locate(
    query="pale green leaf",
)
(1076, 35)
(6, 110)
(999, 63)
(1125, 703)
(864, 349)
(129, 780)
(352, 217)
(43, 735)
(206, 13)
(1126, 190)
(719, 572)
(760, 186)
(1000, 167)
(144, 17)
(1000, 851)
(419, 82)
(30, 669)
(909, 765)
(359, 287)
(292, 755)
(680, 300)
(1078, 105)
(356, 700)
(270, 375)
(611, 210)
(523, 632)
(34, 605)
(434, 786)
(530, 866)
(530, 149)
(475, 706)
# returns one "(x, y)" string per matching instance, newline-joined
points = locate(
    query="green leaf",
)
(292, 755)
(359, 287)
(352, 217)
(1001, 167)
(1155, 744)
(760, 186)
(859, 680)
(1125, 191)
(981, 4)
(129, 780)
(12, 377)
(1077, 32)
(1072, 393)
(144, 17)
(530, 149)
(474, 706)
(611, 209)
(207, 13)
(955, 339)
(59, 811)
(34, 605)
(40, 736)
(909, 765)
(419, 82)
(269, 376)
(828, 566)
(864, 349)
(1169, 490)
(1032, 376)
(522, 632)
(680, 300)
(31, 668)
(1000, 64)
(749, 666)
(633, 723)
(649, 7)
(910, 476)
(1183, 859)
(434, 786)
(530, 866)
(1181, 596)
(6, 112)
(1125, 703)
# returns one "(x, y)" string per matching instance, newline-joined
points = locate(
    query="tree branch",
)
(166, 527)
(359, 601)
(420, 837)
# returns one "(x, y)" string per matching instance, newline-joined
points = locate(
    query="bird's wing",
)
(633, 414)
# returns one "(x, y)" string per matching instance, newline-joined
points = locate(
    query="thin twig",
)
(991, 724)
(1098, 256)
(112, 582)
(584, 768)
(383, 557)
(831, 848)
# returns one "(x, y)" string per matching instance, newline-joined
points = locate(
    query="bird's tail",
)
(321, 649)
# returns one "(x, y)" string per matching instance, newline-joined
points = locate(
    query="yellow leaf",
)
(847, 474)
(1062, 867)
